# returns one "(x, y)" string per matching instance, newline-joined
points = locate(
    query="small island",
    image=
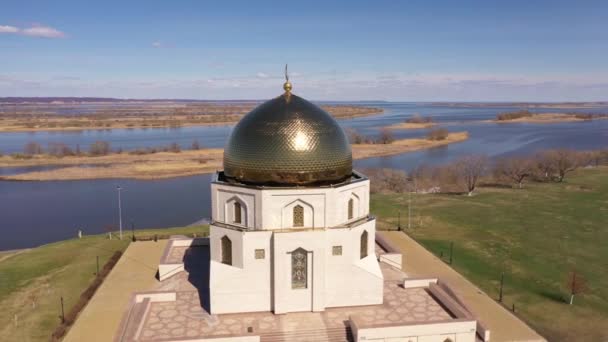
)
(173, 162)
(417, 121)
(526, 116)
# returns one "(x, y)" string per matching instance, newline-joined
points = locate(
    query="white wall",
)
(246, 285)
(251, 284)
(351, 280)
(267, 208)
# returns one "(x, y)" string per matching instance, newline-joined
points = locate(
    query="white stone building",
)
(292, 253)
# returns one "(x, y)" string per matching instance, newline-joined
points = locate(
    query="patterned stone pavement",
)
(185, 318)
(176, 255)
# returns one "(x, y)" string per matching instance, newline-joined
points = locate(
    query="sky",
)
(336, 50)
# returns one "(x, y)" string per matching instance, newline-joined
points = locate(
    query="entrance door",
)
(301, 280)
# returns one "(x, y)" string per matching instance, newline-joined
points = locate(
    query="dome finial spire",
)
(287, 84)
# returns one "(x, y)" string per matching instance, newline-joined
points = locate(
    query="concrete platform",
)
(184, 317)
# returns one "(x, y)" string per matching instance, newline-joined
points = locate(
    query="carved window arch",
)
(364, 244)
(237, 212)
(298, 216)
(350, 208)
(226, 250)
(299, 269)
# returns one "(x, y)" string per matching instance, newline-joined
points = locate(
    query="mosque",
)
(292, 253)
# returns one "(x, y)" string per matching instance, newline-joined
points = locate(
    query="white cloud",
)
(157, 44)
(262, 75)
(8, 29)
(34, 31)
(42, 32)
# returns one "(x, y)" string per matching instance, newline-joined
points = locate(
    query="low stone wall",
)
(460, 330)
(168, 269)
(418, 282)
(392, 259)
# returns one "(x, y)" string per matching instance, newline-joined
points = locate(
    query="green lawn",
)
(44, 274)
(537, 235)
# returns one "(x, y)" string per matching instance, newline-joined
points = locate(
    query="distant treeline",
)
(464, 174)
(98, 148)
(526, 113)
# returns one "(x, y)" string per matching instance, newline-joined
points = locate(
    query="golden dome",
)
(287, 141)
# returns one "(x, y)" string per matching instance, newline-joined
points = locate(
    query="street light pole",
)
(118, 188)
(410, 182)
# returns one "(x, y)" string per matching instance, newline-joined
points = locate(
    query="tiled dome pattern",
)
(288, 141)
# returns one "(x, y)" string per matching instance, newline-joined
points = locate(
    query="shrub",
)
(386, 136)
(513, 115)
(582, 116)
(196, 145)
(21, 156)
(438, 134)
(419, 119)
(32, 148)
(99, 148)
(59, 150)
(355, 137)
(175, 148)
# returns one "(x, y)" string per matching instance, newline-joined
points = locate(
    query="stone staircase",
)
(321, 335)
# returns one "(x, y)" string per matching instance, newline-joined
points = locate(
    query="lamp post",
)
(118, 188)
(409, 203)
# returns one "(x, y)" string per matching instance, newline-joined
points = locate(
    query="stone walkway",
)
(418, 262)
(134, 272)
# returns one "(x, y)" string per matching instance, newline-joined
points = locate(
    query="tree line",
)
(97, 148)
(466, 173)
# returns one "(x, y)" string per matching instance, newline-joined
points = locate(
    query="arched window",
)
(350, 209)
(364, 244)
(298, 216)
(226, 250)
(299, 269)
(237, 212)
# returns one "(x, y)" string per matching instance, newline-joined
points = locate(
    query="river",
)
(34, 213)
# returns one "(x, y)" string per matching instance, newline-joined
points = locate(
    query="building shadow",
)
(196, 263)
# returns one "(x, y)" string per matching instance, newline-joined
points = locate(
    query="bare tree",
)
(387, 180)
(32, 148)
(515, 169)
(59, 149)
(386, 136)
(576, 284)
(544, 166)
(595, 158)
(355, 137)
(99, 148)
(438, 134)
(564, 161)
(175, 148)
(470, 169)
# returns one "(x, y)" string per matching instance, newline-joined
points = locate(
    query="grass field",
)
(42, 275)
(537, 235)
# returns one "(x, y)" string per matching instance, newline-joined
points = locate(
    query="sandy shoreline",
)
(186, 163)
